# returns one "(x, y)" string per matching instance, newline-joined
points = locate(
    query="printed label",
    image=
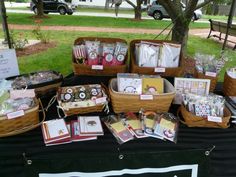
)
(146, 97)
(97, 67)
(211, 74)
(160, 70)
(214, 119)
(101, 100)
(15, 114)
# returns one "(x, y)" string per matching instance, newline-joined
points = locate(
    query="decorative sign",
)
(133, 172)
(8, 63)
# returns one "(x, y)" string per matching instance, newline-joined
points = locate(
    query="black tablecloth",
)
(26, 155)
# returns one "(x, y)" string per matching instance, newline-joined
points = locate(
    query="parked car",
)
(55, 6)
(158, 12)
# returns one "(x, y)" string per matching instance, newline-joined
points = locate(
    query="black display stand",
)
(209, 152)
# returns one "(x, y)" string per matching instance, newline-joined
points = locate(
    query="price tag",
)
(211, 74)
(214, 119)
(15, 114)
(160, 70)
(101, 100)
(97, 67)
(146, 97)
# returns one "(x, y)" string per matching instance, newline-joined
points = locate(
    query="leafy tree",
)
(181, 18)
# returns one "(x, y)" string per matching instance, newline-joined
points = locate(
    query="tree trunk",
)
(180, 34)
(137, 10)
(40, 8)
(107, 2)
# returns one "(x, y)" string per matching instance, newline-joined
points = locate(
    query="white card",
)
(160, 70)
(8, 63)
(97, 67)
(146, 97)
(214, 119)
(15, 114)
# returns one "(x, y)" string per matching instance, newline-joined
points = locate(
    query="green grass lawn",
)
(59, 58)
(94, 21)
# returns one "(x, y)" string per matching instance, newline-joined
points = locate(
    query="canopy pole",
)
(4, 23)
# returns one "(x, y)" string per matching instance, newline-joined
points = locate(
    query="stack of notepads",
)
(231, 104)
(85, 128)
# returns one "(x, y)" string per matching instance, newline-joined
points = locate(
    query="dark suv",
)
(55, 6)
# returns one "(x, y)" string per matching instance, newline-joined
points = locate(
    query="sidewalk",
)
(196, 32)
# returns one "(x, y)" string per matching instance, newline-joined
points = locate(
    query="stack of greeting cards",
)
(57, 131)
(136, 84)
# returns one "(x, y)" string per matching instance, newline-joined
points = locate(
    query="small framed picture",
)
(190, 85)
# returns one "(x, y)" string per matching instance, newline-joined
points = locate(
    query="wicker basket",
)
(192, 120)
(82, 69)
(122, 102)
(84, 110)
(229, 85)
(28, 121)
(43, 88)
(178, 71)
(212, 79)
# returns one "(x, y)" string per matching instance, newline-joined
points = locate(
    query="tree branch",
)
(189, 11)
(203, 4)
(132, 4)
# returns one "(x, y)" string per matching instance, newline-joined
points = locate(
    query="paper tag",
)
(211, 74)
(146, 97)
(15, 114)
(160, 70)
(29, 93)
(214, 119)
(101, 100)
(97, 67)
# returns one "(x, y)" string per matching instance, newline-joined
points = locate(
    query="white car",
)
(158, 12)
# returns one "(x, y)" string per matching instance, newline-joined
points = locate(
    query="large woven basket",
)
(212, 79)
(82, 69)
(28, 121)
(122, 102)
(178, 71)
(229, 85)
(192, 120)
(44, 88)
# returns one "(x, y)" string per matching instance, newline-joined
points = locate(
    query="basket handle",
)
(25, 129)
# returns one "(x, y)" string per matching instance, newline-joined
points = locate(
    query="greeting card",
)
(152, 85)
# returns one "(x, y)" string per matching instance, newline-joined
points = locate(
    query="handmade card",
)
(190, 85)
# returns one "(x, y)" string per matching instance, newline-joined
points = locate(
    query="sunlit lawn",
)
(59, 58)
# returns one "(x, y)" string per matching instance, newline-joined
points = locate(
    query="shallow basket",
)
(28, 121)
(122, 102)
(82, 69)
(229, 85)
(192, 120)
(178, 71)
(212, 79)
(84, 110)
(44, 88)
